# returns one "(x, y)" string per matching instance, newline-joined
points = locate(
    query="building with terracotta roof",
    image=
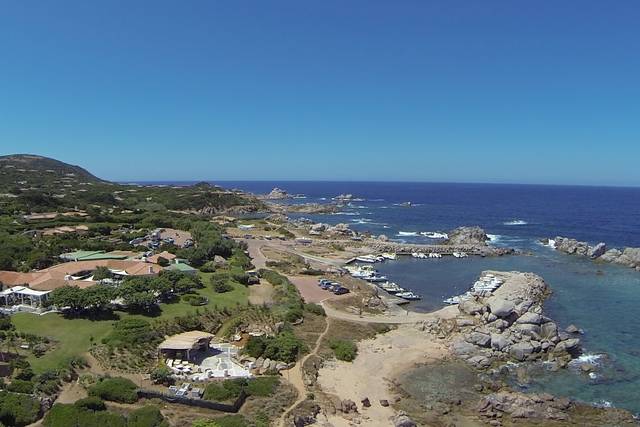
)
(78, 273)
(166, 255)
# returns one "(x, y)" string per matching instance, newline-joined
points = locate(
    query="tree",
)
(138, 293)
(69, 297)
(162, 375)
(163, 262)
(97, 297)
(102, 273)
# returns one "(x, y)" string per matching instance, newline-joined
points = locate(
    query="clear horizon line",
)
(194, 181)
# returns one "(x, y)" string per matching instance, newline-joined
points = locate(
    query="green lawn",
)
(73, 336)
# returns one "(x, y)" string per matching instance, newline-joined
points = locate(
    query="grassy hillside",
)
(30, 183)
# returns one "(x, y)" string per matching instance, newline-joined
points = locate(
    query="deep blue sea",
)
(604, 300)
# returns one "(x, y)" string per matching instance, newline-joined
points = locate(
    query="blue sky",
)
(530, 92)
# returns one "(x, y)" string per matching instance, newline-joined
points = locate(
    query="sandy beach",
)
(379, 361)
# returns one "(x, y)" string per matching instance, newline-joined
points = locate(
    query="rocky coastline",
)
(508, 325)
(628, 257)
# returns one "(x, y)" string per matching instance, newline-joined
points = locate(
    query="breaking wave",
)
(515, 222)
(434, 235)
(407, 233)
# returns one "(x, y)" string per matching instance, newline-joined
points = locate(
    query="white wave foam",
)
(407, 233)
(603, 404)
(347, 213)
(494, 237)
(590, 358)
(361, 221)
(515, 222)
(434, 235)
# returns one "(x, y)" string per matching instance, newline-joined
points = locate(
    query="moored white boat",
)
(409, 296)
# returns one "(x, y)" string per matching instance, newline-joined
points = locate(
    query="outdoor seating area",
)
(191, 355)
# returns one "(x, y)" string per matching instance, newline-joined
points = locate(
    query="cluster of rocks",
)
(349, 407)
(518, 405)
(509, 326)
(265, 366)
(629, 257)
(340, 229)
(467, 236)
(277, 194)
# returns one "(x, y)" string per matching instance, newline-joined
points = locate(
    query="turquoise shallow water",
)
(601, 299)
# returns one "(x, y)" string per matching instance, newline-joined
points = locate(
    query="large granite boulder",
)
(402, 420)
(530, 317)
(571, 346)
(521, 350)
(598, 250)
(479, 339)
(463, 348)
(548, 330)
(467, 236)
(470, 307)
(499, 341)
(501, 307)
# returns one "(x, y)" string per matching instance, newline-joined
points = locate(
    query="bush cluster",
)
(115, 389)
(344, 350)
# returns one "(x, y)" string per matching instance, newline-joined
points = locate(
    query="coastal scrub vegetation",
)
(18, 409)
(344, 350)
(92, 413)
(115, 389)
(285, 346)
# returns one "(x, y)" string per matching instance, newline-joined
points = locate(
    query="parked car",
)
(340, 291)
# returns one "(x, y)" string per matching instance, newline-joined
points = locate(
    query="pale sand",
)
(379, 360)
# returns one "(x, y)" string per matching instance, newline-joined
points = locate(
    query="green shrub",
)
(162, 375)
(262, 386)
(130, 331)
(344, 350)
(115, 389)
(18, 409)
(255, 346)
(20, 386)
(284, 346)
(315, 309)
(147, 416)
(293, 314)
(208, 267)
(195, 300)
(222, 391)
(91, 403)
(61, 415)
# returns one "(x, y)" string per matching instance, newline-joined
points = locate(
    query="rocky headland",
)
(507, 325)
(628, 257)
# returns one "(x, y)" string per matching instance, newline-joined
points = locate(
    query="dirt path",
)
(71, 392)
(295, 376)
